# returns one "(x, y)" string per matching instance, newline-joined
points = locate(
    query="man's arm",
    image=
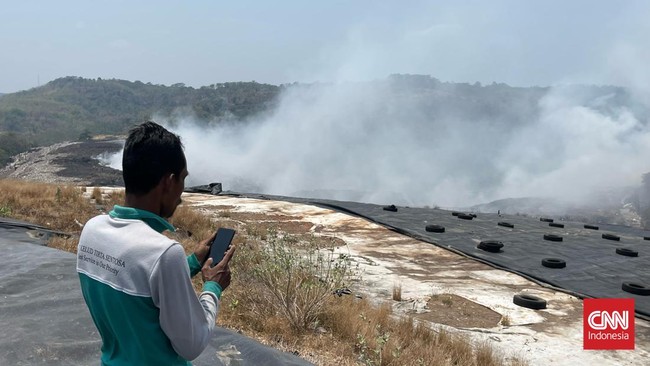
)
(187, 321)
(193, 263)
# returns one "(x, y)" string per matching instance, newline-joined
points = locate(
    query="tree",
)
(85, 135)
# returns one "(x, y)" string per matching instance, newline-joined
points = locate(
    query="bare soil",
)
(458, 312)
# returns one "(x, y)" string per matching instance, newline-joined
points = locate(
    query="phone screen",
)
(220, 244)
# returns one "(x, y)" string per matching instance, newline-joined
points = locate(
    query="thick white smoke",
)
(360, 141)
(579, 150)
(367, 142)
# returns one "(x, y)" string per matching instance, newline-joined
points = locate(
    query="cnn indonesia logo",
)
(608, 324)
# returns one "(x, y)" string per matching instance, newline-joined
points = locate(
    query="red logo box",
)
(608, 324)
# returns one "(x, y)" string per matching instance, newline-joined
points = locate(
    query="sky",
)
(521, 43)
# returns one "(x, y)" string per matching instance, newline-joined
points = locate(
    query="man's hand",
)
(203, 248)
(219, 273)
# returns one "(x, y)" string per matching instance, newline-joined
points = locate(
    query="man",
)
(136, 282)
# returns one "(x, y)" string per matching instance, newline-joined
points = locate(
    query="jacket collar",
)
(154, 221)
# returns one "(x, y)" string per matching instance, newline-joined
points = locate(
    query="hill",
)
(71, 108)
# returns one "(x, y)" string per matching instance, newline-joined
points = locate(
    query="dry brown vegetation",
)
(397, 291)
(53, 206)
(61, 208)
(282, 286)
(97, 195)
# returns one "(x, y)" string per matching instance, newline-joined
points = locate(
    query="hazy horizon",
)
(319, 82)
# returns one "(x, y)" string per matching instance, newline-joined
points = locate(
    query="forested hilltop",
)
(72, 108)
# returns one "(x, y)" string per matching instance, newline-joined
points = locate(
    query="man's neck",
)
(143, 202)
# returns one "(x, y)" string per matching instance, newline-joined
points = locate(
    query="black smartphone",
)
(220, 244)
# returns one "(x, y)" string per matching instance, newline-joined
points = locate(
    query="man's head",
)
(154, 164)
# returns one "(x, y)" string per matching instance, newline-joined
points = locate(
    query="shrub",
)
(293, 278)
(5, 211)
(97, 195)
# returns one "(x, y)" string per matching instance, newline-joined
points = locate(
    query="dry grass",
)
(397, 292)
(53, 206)
(344, 330)
(376, 337)
(192, 226)
(58, 207)
(446, 300)
(505, 320)
(67, 243)
(115, 197)
(97, 195)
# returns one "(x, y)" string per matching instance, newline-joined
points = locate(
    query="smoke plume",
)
(377, 142)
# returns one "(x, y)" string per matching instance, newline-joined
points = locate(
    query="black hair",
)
(150, 152)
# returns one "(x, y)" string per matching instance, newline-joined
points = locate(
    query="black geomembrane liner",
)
(593, 269)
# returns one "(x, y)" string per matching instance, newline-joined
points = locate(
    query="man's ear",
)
(167, 181)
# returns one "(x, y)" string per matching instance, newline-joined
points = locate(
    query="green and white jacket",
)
(136, 283)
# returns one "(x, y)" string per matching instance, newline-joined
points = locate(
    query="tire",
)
(553, 263)
(506, 224)
(611, 237)
(627, 252)
(435, 228)
(465, 216)
(456, 213)
(491, 246)
(555, 224)
(591, 227)
(635, 288)
(544, 219)
(390, 208)
(552, 237)
(529, 301)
